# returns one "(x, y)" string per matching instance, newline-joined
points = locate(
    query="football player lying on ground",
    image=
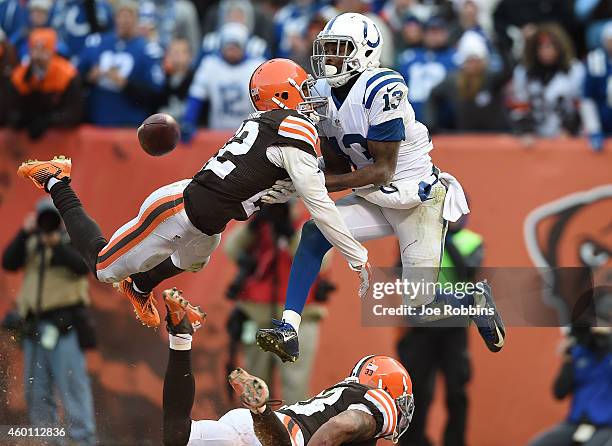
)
(179, 225)
(374, 402)
(397, 191)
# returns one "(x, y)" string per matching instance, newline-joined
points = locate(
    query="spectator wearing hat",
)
(38, 17)
(547, 86)
(46, 90)
(295, 15)
(76, 20)
(410, 35)
(472, 98)
(596, 106)
(243, 12)
(427, 66)
(54, 324)
(123, 70)
(227, 95)
(164, 20)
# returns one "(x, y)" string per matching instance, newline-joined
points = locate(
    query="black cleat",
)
(491, 327)
(282, 340)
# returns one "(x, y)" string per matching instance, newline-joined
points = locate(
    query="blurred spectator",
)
(596, 106)
(295, 15)
(468, 20)
(263, 250)
(244, 13)
(228, 93)
(13, 17)
(426, 67)
(410, 35)
(8, 61)
(586, 374)
(300, 41)
(124, 71)
(53, 323)
(163, 20)
(546, 86)
(75, 20)
(46, 90)
(387, 57)
(395, 12)
(427, 350)
(515, 20)
(38, 17)
(178, 66)
(472, 99)
(595, 14)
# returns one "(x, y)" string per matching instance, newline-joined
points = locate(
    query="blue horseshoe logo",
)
(365, 35)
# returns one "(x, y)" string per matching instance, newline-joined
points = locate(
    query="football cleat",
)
(282, 340)
(144, 304)
(491, 327)
(41, 171)
(253, 391)
(181, 316)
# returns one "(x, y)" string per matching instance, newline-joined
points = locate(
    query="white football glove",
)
(281, 192)
(365, 273)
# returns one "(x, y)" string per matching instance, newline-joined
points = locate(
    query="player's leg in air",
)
(156, 245)
(239, 427)
(421, 260)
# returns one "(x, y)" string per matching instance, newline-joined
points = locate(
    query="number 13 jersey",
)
(377, 109)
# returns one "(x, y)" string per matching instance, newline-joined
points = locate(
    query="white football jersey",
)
(226, 87)
(380, 95)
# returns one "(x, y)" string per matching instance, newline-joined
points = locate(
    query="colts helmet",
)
(282, 83)
(386, 373)
(353, 38)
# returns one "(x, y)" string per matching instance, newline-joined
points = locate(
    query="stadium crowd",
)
(532, 68)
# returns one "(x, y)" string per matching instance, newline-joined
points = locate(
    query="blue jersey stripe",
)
(378, 76)
(377, 88)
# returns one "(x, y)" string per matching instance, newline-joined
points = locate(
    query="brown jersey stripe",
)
(154, 215)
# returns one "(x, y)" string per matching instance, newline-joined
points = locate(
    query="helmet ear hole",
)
(367, 53)
(285, 95)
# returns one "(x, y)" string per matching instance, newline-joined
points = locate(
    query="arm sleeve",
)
(199, 86)
(305, 174)
(565, 381)
(383, 409)
(14, 255)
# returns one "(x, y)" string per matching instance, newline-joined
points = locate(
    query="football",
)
(159, 134)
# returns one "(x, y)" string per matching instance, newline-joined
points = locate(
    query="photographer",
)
(586, 374)
(53, 323)
(263, 249)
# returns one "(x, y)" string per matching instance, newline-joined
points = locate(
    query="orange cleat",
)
(144, 304)
(41, 171)
(253, 391)
(181, 317)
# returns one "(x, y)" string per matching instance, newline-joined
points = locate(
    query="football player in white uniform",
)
(374, 145)
(374, 402)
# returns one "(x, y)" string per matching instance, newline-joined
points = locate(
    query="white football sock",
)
(180, 342)
(293, 318)
(52, 182)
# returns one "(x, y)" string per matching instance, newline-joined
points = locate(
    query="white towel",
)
(455, 203)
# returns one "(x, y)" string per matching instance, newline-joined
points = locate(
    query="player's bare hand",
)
(365, 273)
(94, 74)
(29, 223)
(281, 192)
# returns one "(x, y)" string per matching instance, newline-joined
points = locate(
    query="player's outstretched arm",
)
(304, 172)
(349, 426)
(379, 173)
